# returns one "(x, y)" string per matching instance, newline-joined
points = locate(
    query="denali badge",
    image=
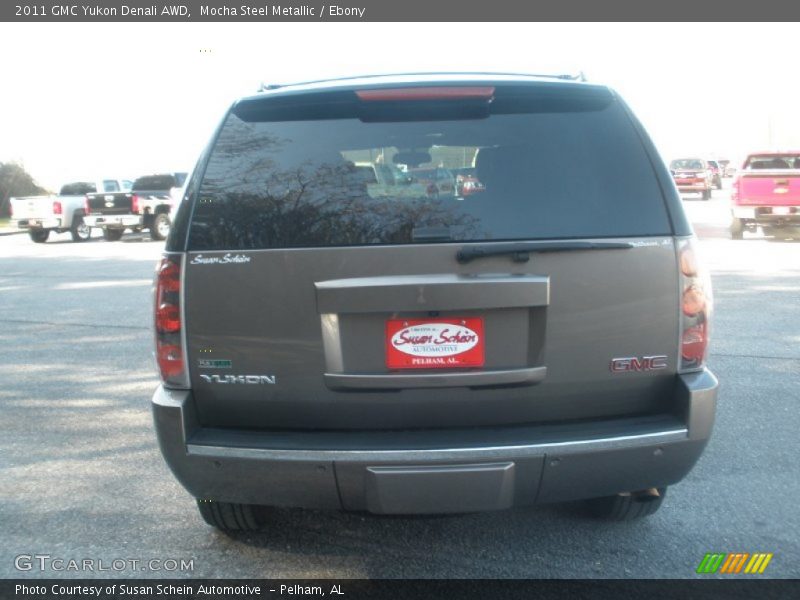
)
(634, 363)
(246, 379)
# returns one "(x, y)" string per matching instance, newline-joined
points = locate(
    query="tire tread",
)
(625, 508)
(228, 516)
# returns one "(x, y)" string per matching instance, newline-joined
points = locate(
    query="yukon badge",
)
(240, 379)
(636, 364)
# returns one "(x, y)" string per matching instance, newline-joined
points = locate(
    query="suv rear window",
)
(320, 174)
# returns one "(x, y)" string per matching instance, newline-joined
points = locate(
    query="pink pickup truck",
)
(766, 193)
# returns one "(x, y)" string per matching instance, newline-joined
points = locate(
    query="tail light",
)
(735, 189)
(56, 207)
(87, 208)
(696, 308)
(170, 351)
(135, 203)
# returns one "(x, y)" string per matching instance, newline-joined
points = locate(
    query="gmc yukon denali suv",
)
(325, 343)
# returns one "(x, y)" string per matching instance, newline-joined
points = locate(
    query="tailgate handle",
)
(431, 292)
(399, 381)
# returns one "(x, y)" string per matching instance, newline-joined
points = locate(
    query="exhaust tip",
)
(647, 495)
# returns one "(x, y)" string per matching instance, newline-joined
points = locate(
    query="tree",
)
(15, 181)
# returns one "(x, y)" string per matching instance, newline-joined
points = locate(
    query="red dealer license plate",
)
(434, 343)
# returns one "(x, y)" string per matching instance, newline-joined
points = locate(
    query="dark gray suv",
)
(327, 339)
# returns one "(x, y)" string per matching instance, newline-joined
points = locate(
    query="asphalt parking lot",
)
(82, 477)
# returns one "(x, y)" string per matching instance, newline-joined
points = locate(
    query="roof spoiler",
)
(580, 76)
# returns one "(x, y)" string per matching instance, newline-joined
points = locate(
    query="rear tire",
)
(626, 507)
(79, 231)
(159, 230)
(228, 516)
(113, 235)
(737, 229)
(706, 195)
(39, 236)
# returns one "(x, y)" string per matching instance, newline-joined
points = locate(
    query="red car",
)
(467, 182)
(692, 175)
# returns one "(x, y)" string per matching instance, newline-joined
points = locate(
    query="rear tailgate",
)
(769, 187)
(312, 303)
(117, 203)
(32, 207)
(551, 328)
(688, 175)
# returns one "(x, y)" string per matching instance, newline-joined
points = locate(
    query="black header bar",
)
(405, 589)
(403, 10)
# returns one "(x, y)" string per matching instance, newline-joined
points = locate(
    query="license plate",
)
(781, 210)
(434, 343)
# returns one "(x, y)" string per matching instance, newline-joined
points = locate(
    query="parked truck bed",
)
(766, 194)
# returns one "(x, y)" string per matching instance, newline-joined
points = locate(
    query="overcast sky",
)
(86, 100)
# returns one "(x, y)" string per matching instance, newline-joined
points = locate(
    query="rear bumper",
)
(113, 221)
(44, 223)
(768, 215)
(412, 472)
(693, 187)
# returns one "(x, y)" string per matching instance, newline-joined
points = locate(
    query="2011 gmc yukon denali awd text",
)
(327, 339)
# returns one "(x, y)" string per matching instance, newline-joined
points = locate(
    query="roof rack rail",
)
(264, 87)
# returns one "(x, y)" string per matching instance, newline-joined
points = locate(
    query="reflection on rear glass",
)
(343, 181)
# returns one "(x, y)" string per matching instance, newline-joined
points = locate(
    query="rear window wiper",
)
(520, 251)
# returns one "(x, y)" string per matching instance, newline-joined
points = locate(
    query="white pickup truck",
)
(40, 215)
